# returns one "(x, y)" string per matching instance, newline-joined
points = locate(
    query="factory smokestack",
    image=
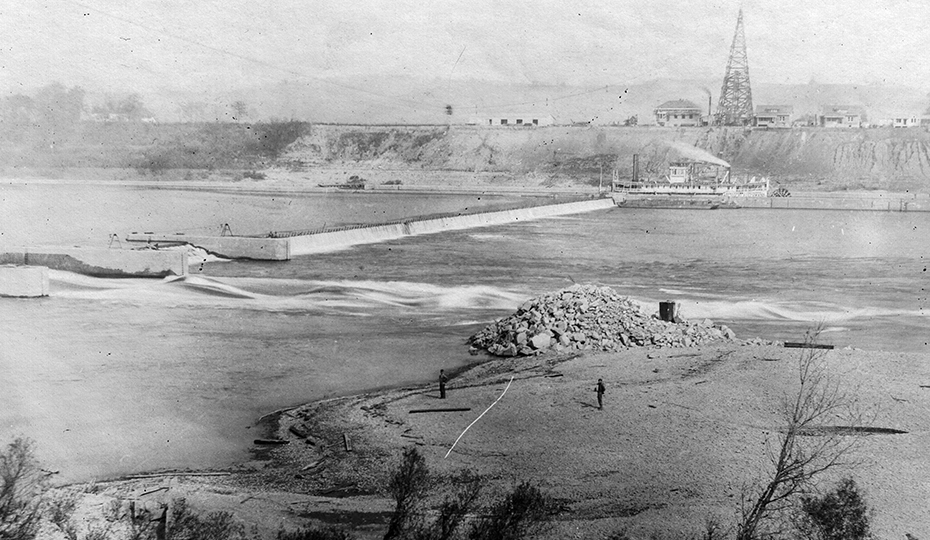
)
(709, 99)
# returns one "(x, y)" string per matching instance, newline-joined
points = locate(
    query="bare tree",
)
(22, 485)
(409, 486)
(817, 437)
(519, 514)
(454, 509)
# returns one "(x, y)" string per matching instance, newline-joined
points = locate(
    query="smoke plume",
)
(695, 153)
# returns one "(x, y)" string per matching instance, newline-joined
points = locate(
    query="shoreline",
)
(285, 185)
(867, 201)
(679, 432)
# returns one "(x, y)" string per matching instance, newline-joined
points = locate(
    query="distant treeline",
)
(54, 127)
(147, 147)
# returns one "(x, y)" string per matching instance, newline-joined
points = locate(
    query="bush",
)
(841, 514)
(59, 509)
(408, 486)
(326, 533)
(185, 524)
(454, 509)
(22, 487)
(517, 515)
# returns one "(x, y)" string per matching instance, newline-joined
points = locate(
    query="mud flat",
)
(682, 431)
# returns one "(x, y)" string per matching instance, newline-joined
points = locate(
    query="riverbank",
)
(682, 430)
(799, 159)
(435, 183)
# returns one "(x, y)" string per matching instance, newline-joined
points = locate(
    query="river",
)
(112, 376)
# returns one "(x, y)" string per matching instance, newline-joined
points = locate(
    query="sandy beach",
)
(683, 430)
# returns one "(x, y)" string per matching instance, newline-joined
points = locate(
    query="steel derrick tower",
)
(735, 106)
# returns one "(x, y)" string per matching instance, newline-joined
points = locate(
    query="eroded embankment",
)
(803, 159)
(815, 158)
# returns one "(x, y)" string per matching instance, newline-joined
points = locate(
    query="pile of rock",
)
(587, 317)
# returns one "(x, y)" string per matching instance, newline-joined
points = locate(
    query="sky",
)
(210, 45)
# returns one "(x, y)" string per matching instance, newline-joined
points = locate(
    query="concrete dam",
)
(285, 245)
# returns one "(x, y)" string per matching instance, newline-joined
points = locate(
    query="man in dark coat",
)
(442, 384)
(600, 389)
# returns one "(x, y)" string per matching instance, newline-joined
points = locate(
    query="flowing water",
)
(112, 376)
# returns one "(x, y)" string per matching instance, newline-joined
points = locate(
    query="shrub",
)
(517, 515)
(326, 533)
(59, 509)
(185, 524)
(408, 486)
(454, 509)
(22, 486)
(841, 514)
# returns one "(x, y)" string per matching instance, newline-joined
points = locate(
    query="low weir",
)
(283, 246)
(100, 262)
(23, 281)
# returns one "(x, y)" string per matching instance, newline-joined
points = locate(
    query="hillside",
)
(408, 100)
(896, 160)
(803, 159)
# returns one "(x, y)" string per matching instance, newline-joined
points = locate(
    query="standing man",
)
(600, 389)
(442, 384)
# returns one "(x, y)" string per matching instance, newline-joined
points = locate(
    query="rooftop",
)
(774, 109)
(842, 109)
(679, 104)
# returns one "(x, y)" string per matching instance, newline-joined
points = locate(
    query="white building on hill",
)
(677, 113)
(905, 120)
(514, 120)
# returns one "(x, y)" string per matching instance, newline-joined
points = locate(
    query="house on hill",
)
(679, 112)
(905, 120)
(777, 116)
(514, 119)
(841, 116)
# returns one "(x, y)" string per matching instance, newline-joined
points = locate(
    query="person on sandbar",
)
(600, 389)
(442, 384)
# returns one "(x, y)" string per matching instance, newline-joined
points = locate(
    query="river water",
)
(112, 376)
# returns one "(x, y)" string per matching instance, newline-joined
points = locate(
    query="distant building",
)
(513, 119)
(777, 116)
(905, 120)
(841, 116)
(679, 112)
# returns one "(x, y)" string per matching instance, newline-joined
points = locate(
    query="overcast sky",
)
(146, 45)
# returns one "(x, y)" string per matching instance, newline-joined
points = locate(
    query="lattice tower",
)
(735, 106)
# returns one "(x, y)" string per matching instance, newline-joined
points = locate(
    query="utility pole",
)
(735, 106)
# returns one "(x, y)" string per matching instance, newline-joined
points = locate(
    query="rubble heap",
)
(587, 317)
